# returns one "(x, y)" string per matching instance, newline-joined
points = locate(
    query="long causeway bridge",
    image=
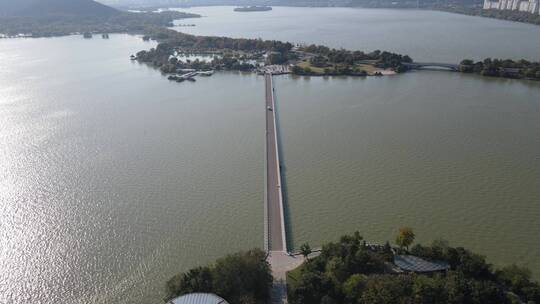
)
(275, 237)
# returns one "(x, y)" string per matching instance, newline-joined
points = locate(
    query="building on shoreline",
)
(530, 6)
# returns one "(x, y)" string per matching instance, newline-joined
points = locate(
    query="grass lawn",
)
(370, 69)
(293, 276)
(307, 64)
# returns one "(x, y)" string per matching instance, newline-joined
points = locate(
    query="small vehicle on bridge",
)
(269, 108)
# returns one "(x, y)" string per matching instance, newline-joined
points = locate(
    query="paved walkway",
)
(281, 262)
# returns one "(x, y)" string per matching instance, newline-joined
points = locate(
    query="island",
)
(353, 270)
(253, 9)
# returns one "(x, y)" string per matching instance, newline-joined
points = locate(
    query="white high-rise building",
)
(531, 6)
(515, 5)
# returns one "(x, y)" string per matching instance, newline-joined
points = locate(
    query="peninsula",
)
(263, 56)
(277, 57)
(48, 18)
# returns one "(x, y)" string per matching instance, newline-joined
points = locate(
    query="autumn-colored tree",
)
(405, 237)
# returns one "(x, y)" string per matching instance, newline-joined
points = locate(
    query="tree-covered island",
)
(352, 271)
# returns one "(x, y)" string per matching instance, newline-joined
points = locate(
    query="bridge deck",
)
(275, 222)
(421, 65)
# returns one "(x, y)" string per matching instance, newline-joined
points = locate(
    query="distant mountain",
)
(46, 8)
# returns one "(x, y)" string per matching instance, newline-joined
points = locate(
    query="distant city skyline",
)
(530, 6)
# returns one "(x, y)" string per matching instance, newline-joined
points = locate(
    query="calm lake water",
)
(112, 179)
(424, 35)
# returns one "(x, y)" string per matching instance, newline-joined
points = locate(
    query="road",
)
(274, 197)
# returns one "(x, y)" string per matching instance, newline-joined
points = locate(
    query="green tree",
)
(297, 70)
(518, 280)
(487, 292)
(243, 274)
(466, 62)
(305, 250)
(243, 278)
(353, 287)
(276, 58)
(195, 280)
(387, 253)
(384, 289)
(472, 265)
(405, 237)
(430, 290)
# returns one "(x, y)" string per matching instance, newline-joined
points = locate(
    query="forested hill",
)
(47, 8)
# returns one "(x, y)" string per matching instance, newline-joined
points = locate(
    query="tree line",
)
(502, 68)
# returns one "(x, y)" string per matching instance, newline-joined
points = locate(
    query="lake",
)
(113, 179)
(424, 35)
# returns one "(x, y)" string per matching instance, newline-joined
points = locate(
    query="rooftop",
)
(415, 264)
(198, 298)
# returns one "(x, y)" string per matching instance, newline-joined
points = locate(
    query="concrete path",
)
(281, 262)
